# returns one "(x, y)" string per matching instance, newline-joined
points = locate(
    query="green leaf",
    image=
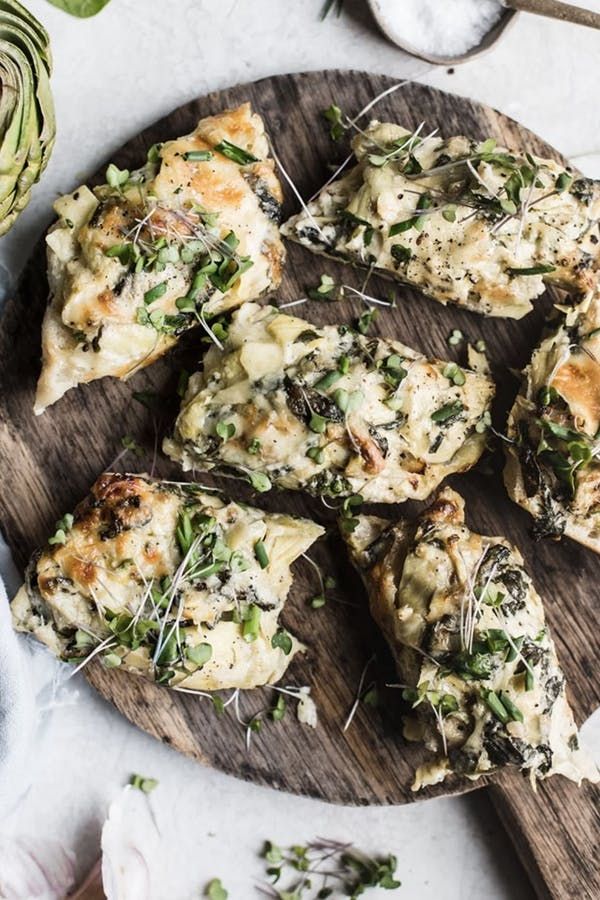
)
(334, 116)
(62, 527)
(283, 641)
(116, 177)
(365, 320)
(200, 654)
(455, 374)
(277, 712)
(83, 9)
(259, 481)
(215, 890)
(400, 253)
(225, 430)
(317, 423)
(235, 153)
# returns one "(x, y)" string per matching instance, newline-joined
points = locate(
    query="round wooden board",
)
(48, 464)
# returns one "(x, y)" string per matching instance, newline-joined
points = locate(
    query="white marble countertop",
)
(114, 74)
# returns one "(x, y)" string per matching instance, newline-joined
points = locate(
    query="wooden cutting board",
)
(48, 464)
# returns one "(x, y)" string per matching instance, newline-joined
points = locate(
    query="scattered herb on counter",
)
(325, 868)
(146, 785)
(215, 890)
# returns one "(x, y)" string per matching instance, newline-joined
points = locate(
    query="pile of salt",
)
(440, 28)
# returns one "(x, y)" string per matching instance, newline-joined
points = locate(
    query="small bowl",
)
(486, 43)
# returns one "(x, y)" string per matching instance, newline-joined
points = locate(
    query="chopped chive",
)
(142, 783)
(448, 412)
(235, 153)
(496, 706)
(532, 270)
(197, 155)
(260, 551)
(155, 293)
(513, 711)
(251, 623)
(327, 380)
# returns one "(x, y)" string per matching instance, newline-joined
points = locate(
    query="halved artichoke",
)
(27, 123)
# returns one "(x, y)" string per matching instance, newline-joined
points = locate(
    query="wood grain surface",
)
(48, 464)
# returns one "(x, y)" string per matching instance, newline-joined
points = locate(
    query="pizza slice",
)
(330, 411)
(467, 223)
(472, 646)
(139, 260)
(169, 582)
(552, 467)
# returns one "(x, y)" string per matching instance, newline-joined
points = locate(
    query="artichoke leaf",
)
(27, 123)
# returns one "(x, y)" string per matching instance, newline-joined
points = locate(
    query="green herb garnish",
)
(235, 153)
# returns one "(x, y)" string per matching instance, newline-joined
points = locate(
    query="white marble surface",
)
(113, 75)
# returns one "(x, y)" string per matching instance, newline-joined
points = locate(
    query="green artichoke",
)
(27, 124)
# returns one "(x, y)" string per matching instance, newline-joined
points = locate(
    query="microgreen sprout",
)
(324, 868)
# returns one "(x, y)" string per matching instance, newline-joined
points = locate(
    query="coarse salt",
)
(442, 28)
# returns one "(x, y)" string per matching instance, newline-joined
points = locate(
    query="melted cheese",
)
(122, 545)
(460, 252)
(320, 409)
(97, 323)
(567, 363)
(463, 620)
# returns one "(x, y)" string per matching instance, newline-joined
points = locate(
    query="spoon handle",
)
(554, 9)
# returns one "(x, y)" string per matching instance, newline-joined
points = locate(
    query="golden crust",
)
(100, 321)
(453, 605)
(141, 560)
(552, 467)
(487, 236)
(318, 410)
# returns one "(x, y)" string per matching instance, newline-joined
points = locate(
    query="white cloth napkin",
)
(17, 699)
